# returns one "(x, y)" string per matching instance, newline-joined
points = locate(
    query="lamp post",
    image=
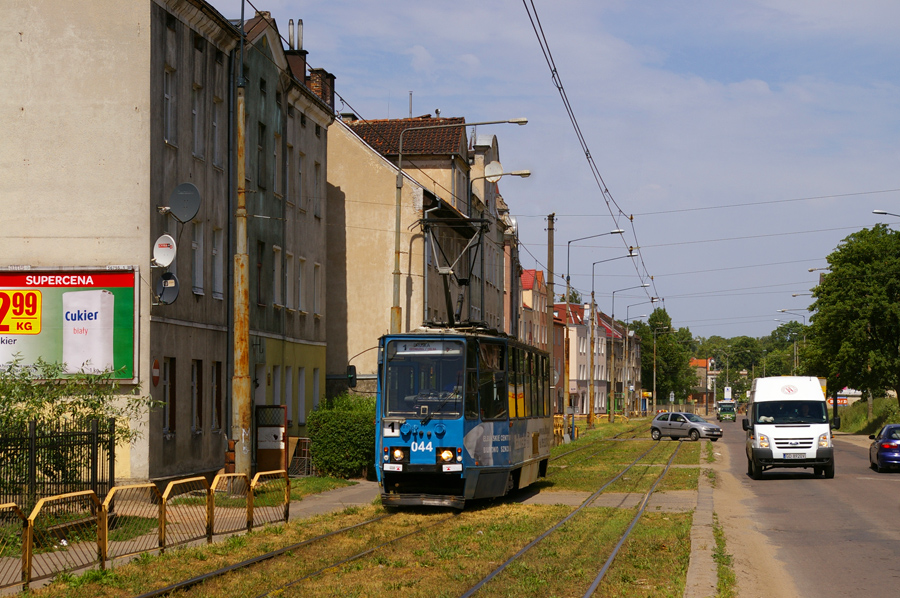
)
(612, 353)
(493, 172)
(628, 365)
(396, 312)
(617, 231)
(655, 330)
(593, 336)
(883, 213)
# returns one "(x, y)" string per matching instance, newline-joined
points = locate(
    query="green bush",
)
(342, 436)
(854, 419)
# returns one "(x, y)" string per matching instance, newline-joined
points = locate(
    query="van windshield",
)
(790, 412)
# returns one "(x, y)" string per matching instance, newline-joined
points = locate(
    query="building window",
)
(317, 191)
(276, 276)
(317, 284)
(169, 395)
(315, 388)
(197, 120)
(169, 82)
(218, 264)
(260, 252)
(289, 392)
(288, 186)
(276, 165)
(172, 229)
(277, 390)
(299, 192)
(261, 156)
(301, 395)
(217, 136)
(217, 392)
(289, 281)
(196, 395)
(301, 270)
(197, 257)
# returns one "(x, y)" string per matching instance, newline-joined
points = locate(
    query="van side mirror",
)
(351, 376)
(745, 424)
(836, 423)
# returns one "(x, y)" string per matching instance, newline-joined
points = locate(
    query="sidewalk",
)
(361, 494)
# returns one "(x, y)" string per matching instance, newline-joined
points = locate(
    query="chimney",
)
(321, 82)
(291, 34)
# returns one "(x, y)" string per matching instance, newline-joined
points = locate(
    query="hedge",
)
(342, 436)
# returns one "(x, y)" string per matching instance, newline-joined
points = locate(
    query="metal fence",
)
(77, 529)
(52, 458)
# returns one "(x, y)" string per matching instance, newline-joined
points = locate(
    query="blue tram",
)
(461, 414)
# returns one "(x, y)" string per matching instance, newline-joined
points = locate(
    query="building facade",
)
(142, 146)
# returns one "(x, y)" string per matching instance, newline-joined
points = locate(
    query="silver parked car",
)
(683, 425)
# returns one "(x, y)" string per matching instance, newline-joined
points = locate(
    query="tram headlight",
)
(446, 455)
(398, 454)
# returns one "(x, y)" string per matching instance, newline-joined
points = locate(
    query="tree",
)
(855, 332)
(574, 297)
(42, 392)
(673, 355)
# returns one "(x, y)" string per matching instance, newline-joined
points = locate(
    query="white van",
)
(787, 426)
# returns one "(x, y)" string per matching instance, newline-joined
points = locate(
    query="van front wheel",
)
(755, 470)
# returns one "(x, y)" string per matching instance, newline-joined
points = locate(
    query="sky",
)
(736, 143)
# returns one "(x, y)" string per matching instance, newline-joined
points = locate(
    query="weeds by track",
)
(481, 583)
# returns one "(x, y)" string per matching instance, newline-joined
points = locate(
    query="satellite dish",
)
(184, 202)
(493, 171)
(164, 251)
(167, 288)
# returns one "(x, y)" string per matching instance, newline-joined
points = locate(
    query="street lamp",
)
(883, 213)
(396, 312)
(655, 330)
(591, 396)
(787, 311)
(628, 364)
(612, 353)
(617, 231)
(492, 172)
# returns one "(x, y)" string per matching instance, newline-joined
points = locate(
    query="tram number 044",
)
(421, 447)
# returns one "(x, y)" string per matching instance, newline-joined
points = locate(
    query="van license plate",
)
(795, 455)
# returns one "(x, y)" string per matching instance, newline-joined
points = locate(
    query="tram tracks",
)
(409, 541)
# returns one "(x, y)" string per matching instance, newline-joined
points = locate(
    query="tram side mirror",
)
(351, 376)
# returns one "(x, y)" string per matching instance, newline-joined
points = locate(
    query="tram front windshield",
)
(424, 378)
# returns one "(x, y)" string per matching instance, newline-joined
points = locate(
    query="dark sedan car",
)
(683, 425)
(884, 452)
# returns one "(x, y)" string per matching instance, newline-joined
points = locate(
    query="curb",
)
(702, 575)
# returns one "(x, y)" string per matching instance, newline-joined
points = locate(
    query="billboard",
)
(82, 318)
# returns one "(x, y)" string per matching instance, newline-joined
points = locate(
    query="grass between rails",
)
(451, 556)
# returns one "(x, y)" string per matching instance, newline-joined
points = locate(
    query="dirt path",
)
(758, 574)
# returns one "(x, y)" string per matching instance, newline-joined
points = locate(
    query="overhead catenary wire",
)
(608, 198)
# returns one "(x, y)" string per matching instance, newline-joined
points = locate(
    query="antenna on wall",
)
(410, 104)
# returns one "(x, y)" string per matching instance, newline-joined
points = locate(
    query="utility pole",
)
(551, 333)
(240, 381)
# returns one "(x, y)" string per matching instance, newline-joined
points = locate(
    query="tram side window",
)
(545, 378)
(524, 384)
(471, 380)
(511, 381)
(492, 381)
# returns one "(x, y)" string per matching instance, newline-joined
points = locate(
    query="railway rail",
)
(377, 544)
